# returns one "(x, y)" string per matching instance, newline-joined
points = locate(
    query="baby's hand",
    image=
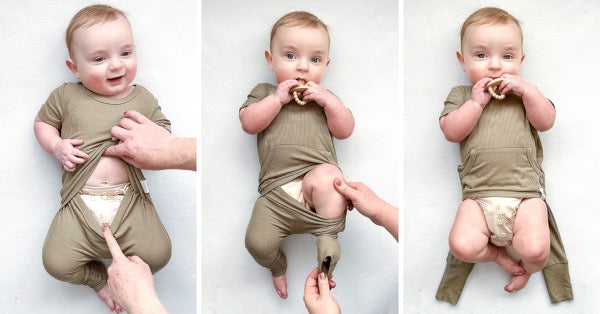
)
(69, 156)
(317, 94)
(283, 91)
(513, 84)
(479, 94)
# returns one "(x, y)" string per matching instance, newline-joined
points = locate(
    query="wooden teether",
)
(298, 90)
(491, 84)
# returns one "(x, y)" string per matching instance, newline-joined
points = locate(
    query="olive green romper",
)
(295, 142)
(75, 243)
(502, 157)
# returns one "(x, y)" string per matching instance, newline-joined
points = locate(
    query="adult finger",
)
(113, 246)
(324, 289)
(137, 117)
(116, 151)
(343, 188)
(128, 123)
(120, 133)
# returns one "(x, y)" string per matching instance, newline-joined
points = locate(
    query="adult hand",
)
(130, 280)
(369, 204)
(146, 145)
(317, 295)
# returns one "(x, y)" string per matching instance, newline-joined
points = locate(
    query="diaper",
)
(294, 189)
(104, 201)
(500, 213)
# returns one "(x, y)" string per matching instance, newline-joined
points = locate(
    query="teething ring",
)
(298, 90)
(492, 83)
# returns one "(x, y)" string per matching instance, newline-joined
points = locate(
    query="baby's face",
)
(299, 52)
(104, 58)
(491, 50)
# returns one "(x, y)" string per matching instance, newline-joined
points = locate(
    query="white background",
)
(32, 64)
(364, 73)
(561, 47)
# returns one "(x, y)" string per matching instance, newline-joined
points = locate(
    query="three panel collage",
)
(277, 156)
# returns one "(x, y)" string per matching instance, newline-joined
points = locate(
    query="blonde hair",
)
(491, 16)
(91, 15)
(298, 18)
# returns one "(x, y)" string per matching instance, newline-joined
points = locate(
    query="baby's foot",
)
(517, 283)
(280, 284)
(508, 264)
(105, 296)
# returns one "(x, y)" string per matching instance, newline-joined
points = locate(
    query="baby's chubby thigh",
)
(531, 238)
(319, 193)
(469, 235)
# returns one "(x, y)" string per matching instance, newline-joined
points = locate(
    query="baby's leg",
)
(469, 239)
(319, 193)
(264, 236)
(531, 239)
(69, 256)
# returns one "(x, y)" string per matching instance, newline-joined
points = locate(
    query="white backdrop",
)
(364, 74)
(32, 64)
(561, 47)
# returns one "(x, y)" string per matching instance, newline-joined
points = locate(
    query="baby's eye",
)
(480, 55)
(508, 57)
(315, 59)
(99, 59)
(290, 56)
(126, 53)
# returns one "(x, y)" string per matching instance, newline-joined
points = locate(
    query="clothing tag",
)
(543, 194)
(144, 186)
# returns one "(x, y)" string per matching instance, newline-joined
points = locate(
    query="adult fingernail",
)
(322, 276)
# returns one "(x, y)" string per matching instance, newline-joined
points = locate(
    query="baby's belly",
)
(110, 171)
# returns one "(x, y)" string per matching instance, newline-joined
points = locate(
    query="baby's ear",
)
(269, 58)
(72, 67)
(460, 58)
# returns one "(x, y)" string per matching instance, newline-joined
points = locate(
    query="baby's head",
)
(299, 47)
(102, 50)
(491, 44)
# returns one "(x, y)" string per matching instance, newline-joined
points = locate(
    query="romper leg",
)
(328, 253)
(142, 233)
(264, 236)
(68, 255)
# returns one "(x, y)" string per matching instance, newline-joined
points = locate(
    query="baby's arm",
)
(258, 116)
(540, 111)
(340, 120)
(458, 124)
(62, 149)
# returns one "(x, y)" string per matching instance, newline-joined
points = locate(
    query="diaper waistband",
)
(106, 192)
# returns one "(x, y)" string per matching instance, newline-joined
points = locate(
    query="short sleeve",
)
(51, 111)
(258, 93)
(158, 117)
(457, 96)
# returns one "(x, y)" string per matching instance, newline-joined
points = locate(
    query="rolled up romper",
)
(502, 157)
(294, 143)
(75, 242)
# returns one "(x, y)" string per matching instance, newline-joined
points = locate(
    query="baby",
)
(501, 175)
(295, 147)
(74, 125)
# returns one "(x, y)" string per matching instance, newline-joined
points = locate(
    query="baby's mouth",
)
(115, 79)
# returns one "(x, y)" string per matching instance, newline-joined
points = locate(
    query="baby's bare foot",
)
(517, 283)
(105, 296)
(508, 264)
(280, 284)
